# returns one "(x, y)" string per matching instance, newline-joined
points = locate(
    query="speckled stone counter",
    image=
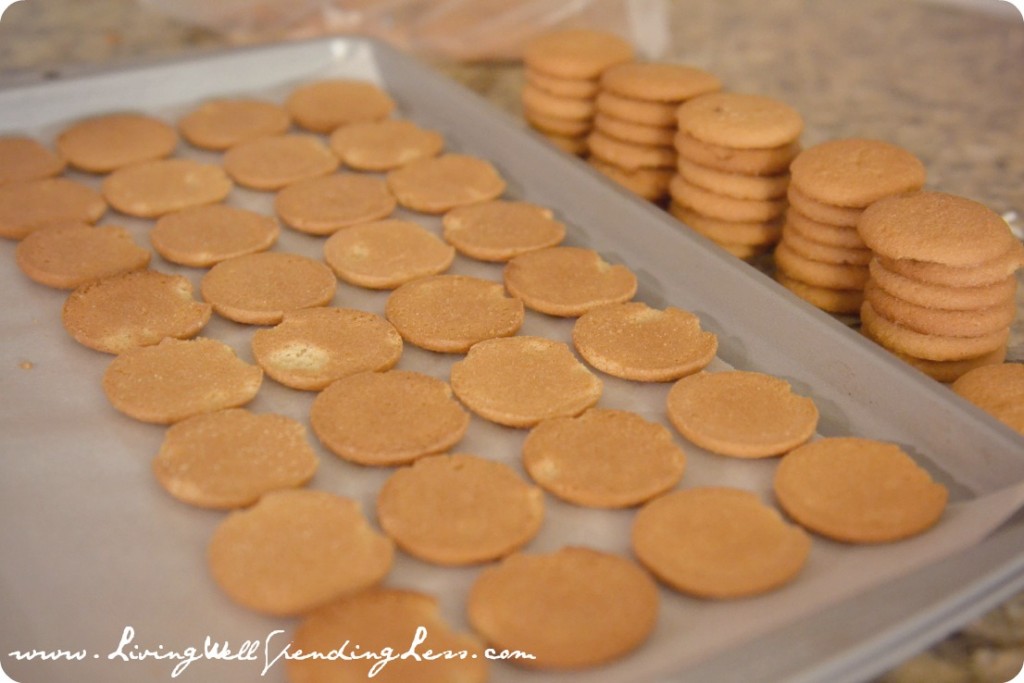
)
(944, 79)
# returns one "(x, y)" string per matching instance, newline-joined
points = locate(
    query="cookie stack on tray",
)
(734, 152)
(821, 258)
(562, 70)
(635, 122)
(941, 291)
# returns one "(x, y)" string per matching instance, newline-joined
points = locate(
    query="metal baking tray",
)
(90, 546)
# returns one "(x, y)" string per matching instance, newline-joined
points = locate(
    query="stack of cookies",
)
(941, 287)
(562, 69)
(635, 122)
(734, 152)
(821, 258)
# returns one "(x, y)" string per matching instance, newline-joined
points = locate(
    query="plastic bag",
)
(464, 30)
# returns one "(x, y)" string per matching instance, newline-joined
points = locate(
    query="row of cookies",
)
(529, 274)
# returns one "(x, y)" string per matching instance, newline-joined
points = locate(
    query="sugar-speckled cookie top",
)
(855, 172)
(103, 143)
(499, 230)
(154, 188)
(225, 122)
(384, 145)
(202, 236)
(386, 254)
(567, 281)
(996, 389)
(558, 607)
(936, 227)
(67, 256)
(275, 161)
(28, 205)
(326, 204)
(576, 53)
(23, 158)
(660, 82)
(459, 509)
(740, 121)
(322, 106)
(438, 184)
(858, 490)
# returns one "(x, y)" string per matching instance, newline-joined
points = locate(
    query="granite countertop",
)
(943, 79)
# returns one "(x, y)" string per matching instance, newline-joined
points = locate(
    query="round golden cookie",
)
(459, 509)
(571, 609)
(296, 550)
(202, 236)
(603, 458)
(738, 185)
(741, 414)
(980, 275)
(826, 253)
(846, 301)
(998, 389)
(387, 418)
(442, 183)
(658, 81)
(635, 133)
(934, 320)
(70, 255)
(754, 234)
(122, 312)
(386, 254)
(947, 371)
(567, 281)
(322, 106)
(629, 156)
(384, 620)
(563, 87)
(230, 458)
(313, 347)
(499, 230)
(154, 188)
(649, 183)
(858, 490)
(276, 161)
(32, 204)
(942, 296)
(260, 288)
(101, 144)
(325, 205)
(717, 542)
(819, 273)
(740, 121)
(541, 102)
(519, 381)
(821, 213)
(723, 207)
(834, 235)
(575, 53)
(648, 113)
(384, 145)
(176, 379)
(23, 158)
(222, 123)
(553, 125)
(450, 313)
(855, 172)
(901, 338)
(771, 161)
(935, 227)
(633, 341)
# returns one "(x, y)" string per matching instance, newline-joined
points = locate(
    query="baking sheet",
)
(90, 545)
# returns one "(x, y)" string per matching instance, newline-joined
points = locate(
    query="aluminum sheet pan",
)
(90, 545)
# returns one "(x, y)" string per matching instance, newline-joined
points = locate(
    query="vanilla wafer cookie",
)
(122, 312)
(230, 458)
(936, 320)
(203, 236)
(324, 105)
(296, 550)
(459, 509)
(634, 341)
(384, 145)
(499, 230)
(326, 204)
(106, 142)
(998, 389)
(273, 162)
(567, 281)
(28, 205)
(858, 490)
(603, 458)
(310, 348)
(575, 53)
(770, 161)
(954, 297)
(153, 188)
(548, 605)
(386, 254)
(718, 542)
(855, 172)
(740, 121)
(24, 158)
(176, 379)
(442, 183)
(387, 418)
(936, 347)
(221, 123)
(70, 255)
(519, 381)
(741, 414)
